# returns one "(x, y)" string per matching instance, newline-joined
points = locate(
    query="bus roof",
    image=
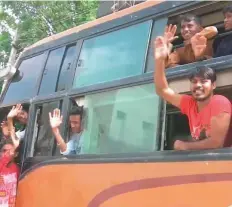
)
(96, 22)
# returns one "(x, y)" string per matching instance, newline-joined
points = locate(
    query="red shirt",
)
(199, 123)
(8, 182)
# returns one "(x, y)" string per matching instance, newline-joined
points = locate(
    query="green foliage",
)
(5, 46)
(36, 20)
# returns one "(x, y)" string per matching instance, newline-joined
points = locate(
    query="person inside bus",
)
(208, 114)
(193, 34)
(9, 173)
(20, 114)
(75, 143)
(223, 45)
(5, 130)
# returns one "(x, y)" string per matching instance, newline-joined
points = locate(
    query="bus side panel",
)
(179, 184)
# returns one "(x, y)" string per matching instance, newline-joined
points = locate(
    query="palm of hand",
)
(169, 36)
(55, 122)
(15, 110)
(198, 44)
(13, 113)
(161, 49)
(55, 118)
(169, 33)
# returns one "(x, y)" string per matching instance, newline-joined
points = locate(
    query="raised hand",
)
(15, 111)
(199, 43)
(5, 129)
(55, 118)
(169, 33)
(160, 48)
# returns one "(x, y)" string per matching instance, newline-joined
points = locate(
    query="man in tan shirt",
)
(197, 41)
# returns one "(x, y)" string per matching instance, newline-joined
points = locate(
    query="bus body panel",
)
(196, 183)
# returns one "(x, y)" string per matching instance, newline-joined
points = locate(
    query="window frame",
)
(32, 119)
(74, 45)
(62, 48)
(161, 116)
(37, 84)
(70, 76)
(121, 27)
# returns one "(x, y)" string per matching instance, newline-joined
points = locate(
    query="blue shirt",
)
(75, 145)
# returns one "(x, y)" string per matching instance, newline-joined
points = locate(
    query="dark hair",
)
(77, 110)
(189, 18)
(203, 72)
(5, 141)
(227, 9)
(26, 107)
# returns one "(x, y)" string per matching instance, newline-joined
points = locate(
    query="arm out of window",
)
(219, 128)
(161, 84)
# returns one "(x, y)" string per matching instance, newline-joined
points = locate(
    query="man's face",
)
(75, 123)
(7, 151)
(228, 20)
(189, 29)
(22, 117)
(201, 89)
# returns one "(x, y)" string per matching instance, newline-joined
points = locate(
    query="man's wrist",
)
(161, 60)
(10, 117)
(56, 130)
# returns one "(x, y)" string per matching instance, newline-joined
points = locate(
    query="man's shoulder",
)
(220, 99)
(76, 136)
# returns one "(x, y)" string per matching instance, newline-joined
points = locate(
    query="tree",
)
(5, 45)
(36, 20)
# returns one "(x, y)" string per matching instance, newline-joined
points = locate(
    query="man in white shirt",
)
(75, 144)
(20, 114)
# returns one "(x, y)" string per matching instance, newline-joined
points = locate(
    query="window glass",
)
(112, 56)
(23, 85)
(42, 135)
(158, 29)
(122, 121)
(66, 67)
(51, 71)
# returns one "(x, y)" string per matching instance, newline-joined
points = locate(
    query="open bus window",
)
(177, 129)
(210, 14)
(121, 121)
(43, 140)
(20, 125)
(115, 55)
(177, 124)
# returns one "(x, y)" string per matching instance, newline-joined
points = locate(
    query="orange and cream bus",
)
(107, 67)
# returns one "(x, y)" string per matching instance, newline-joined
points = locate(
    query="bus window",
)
(121, 121)
(177, 128)
(66, 67)
(51, 71)
(19, 122)
(29, 71)
(44, 143)
(157, 29)
(115, 55)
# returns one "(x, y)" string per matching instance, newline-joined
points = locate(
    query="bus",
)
(106, 66)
